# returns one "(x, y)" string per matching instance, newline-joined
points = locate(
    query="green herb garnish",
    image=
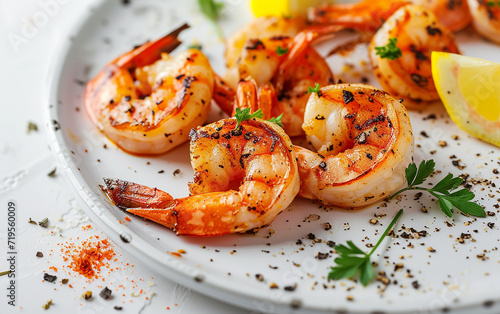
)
(390, 51)
(3, 273)
(195, 46)
(281, 51)
(243, 115)
(443, 190)
(277, 120)
(314, 89)
(212, 10)
(32, 222)
(32, 127)
(352, 259)
(46, 306)
(44, 223)
(493, 3)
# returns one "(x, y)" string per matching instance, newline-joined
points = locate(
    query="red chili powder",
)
(89, 257)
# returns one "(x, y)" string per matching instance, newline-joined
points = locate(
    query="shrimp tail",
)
(143, 201)
(125, 195)
(224, 95)
(151, 51)
(268, 101)
(365, 15)
(166, 217)
(298, 48)
(143, 55)
(249, 95)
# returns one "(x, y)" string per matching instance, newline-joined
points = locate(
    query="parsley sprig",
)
(390, 51)
(443, 190)
(277, 120)
(212, 10)
(243, 115)
(493, 3)
(352, 260)
(281, 51)
(314, 89)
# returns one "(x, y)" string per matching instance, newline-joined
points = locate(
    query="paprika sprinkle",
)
(89, 257)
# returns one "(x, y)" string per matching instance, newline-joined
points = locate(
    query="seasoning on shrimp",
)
(363, 146)
(418, 33)
(366, 16)
(147, 101)
(452, 14)
(273, 54)
(262, 164)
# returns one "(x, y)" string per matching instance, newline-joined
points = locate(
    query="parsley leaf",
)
(444, 190)
(281, 51)
(352, 259)
(195, 46)
(32, 127)
(493, 3)
(212, 10)
(243, 115)
(277, 120)
(314, 89)
(390, 51)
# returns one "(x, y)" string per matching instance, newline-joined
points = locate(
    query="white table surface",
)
(25, 161)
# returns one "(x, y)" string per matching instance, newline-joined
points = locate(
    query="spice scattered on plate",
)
(49, 278)
(87, 295)
(105, 293)
(89, 257)
(44, 223)
(46, 306)
(32, 127)
(39, 254)
(52, 173)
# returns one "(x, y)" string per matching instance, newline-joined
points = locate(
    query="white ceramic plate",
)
(226, 267)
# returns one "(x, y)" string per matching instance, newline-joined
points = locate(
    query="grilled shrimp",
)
(258, 157)
(486, 18)
(146, 101)
(364, 143)
(262, 27)
(418, 33)
(365, 16)
(452, 14)
(290, 64)
(249, 95)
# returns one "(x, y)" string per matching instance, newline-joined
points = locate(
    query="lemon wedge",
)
(470, 90)
(283, 7)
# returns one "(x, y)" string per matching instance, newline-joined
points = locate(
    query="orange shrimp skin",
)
(139, 57)
(364, 142)
(243, 179)
(146, 101)
(365, 15)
